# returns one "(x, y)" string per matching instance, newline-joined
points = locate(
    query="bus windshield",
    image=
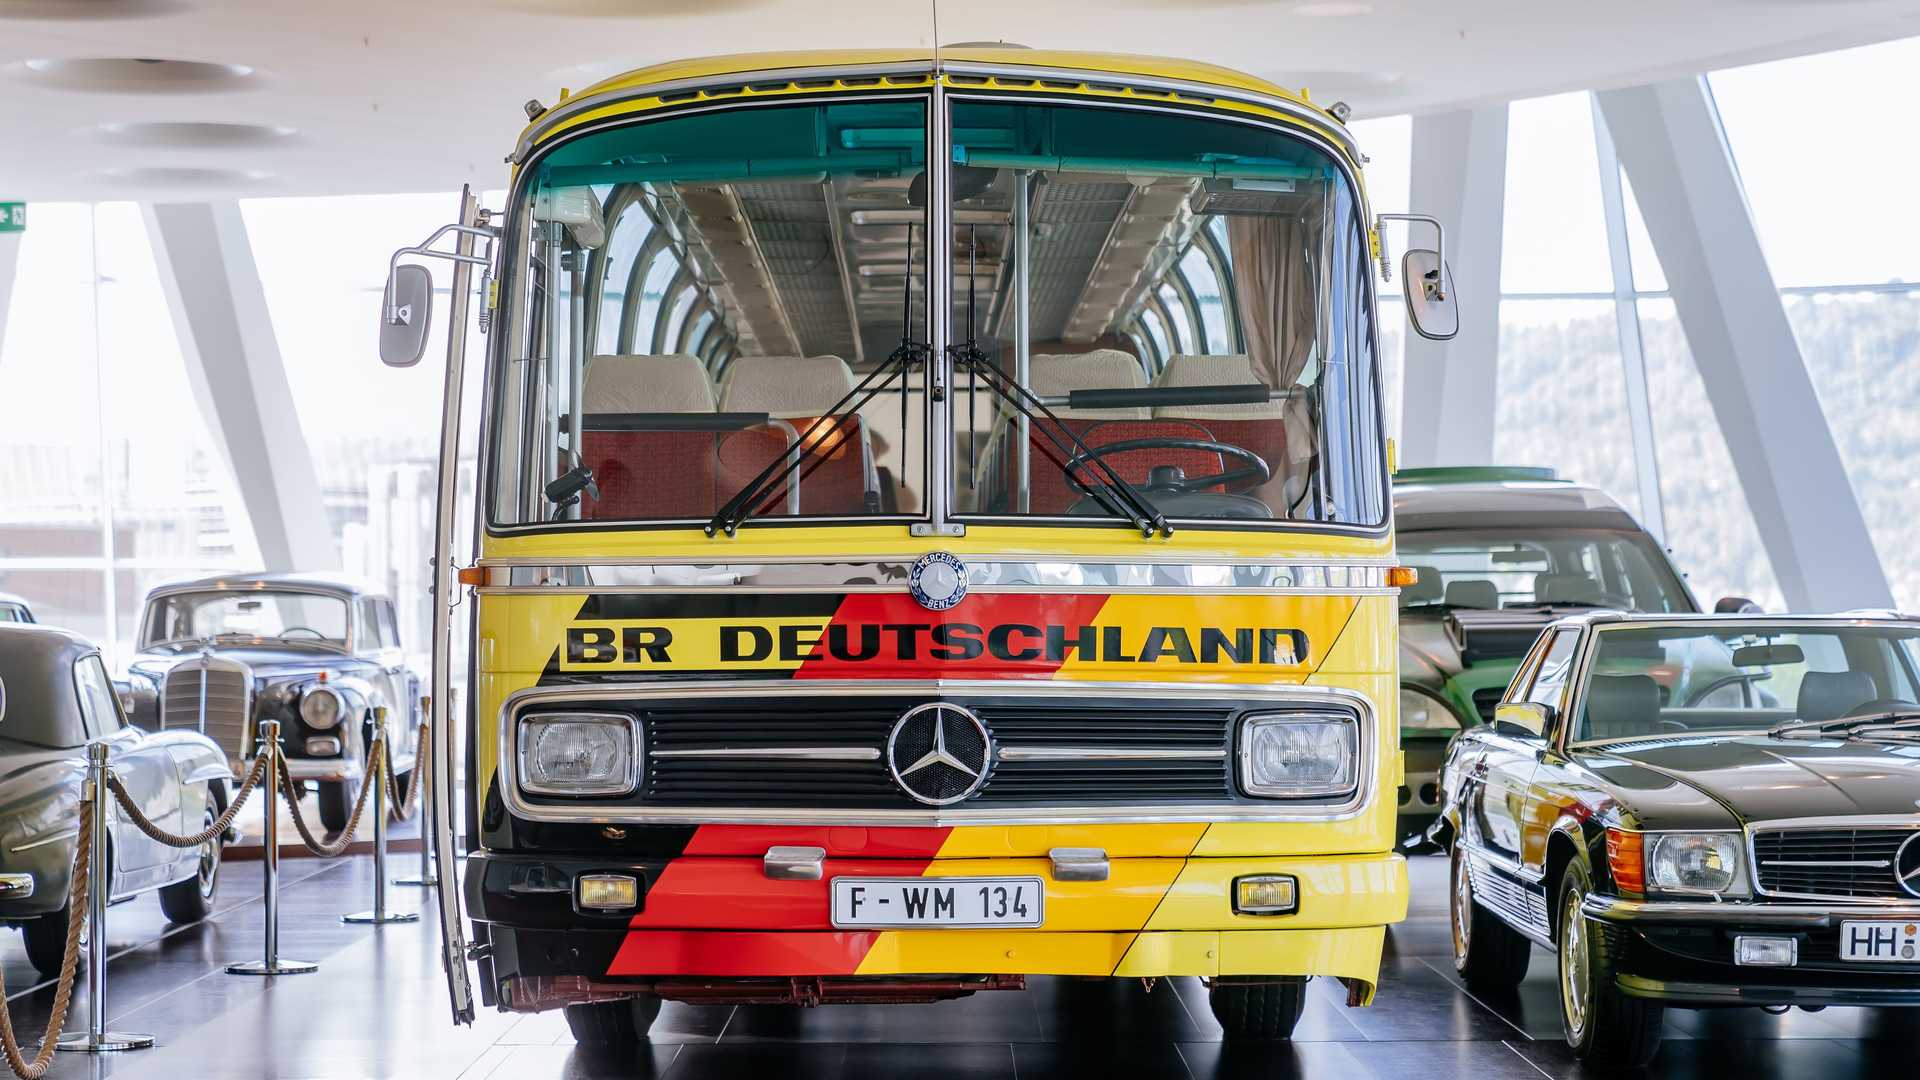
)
(726, 311)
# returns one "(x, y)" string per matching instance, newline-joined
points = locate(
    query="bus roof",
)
(919, 62)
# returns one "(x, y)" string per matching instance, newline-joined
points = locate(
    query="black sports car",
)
(1696, 810)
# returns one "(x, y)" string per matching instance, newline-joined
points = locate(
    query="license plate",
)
(936, 902)
(1897, 942)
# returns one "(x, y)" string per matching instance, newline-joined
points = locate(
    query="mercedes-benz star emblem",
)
(1906, 865)
(938, 581)
(938, 753)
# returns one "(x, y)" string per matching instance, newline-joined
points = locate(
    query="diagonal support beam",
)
(1668, 137)
(1448, 387)
(233, 364)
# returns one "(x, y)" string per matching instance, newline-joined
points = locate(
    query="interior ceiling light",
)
(1332, 9)
(139, 75)
(78, 10)
(193, 135)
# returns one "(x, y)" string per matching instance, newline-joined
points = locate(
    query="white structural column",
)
(233, 363)
(1459, 175)
(1669, 139)
(9, 266)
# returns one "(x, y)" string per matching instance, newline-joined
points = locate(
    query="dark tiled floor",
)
(377, 1009)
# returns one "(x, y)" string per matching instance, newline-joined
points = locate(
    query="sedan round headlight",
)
(1693, 862)
(579, 754)
(321, 707)
(1299, 755)
(1420, 711)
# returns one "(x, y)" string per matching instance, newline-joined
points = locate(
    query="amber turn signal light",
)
(1401, 577)
(1626, 858)
(471, 575)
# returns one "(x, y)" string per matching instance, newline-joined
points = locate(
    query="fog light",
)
(323, 746)
(1766, 951)
(607, 892)
(1273, 894)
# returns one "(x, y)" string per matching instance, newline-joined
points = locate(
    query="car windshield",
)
(1526, 568)
(1669, 681)
(319, 618)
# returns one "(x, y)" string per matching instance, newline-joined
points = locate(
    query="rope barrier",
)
(69, 964)
(404, 809)
(131, 811)
(376, 772)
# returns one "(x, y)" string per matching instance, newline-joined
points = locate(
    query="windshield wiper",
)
(1893, 722)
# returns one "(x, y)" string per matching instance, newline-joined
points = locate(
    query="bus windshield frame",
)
(931, 460)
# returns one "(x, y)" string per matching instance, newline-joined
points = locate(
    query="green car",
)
(1501, 552)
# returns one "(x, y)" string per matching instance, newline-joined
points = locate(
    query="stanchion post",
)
(271, 963)
(380, 915)
(97, 1039)
(426, 878)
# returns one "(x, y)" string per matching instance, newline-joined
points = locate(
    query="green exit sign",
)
(13, 217)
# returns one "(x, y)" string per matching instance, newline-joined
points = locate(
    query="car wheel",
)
(613, 1023)
(1602, 1025)
(1258, 1008)
(336, 803)
(46, 941)
(192, 899)
(1490, 955)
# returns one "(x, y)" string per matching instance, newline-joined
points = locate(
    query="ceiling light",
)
(139, 75)
(165, 135)
(1332, 9)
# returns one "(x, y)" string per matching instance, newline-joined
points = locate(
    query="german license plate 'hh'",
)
(1880, 941)
(937, 902)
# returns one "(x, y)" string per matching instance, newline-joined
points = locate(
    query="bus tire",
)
(1258, 1008)
(613, 1023)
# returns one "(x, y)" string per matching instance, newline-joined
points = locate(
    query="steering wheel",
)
(1237, 481)
(285, 630)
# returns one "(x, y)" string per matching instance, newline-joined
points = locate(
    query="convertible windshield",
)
(724, 315)
(1672, 681)
(1525, 568)
(250, 613)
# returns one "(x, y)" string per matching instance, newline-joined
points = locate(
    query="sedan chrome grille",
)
(211, 694)
(1831, 863)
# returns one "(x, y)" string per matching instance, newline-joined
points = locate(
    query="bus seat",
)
(1258, 427)
(648, 474)
(1051, 375)
(800, 390)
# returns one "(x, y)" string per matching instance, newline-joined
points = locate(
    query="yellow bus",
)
(933, 531)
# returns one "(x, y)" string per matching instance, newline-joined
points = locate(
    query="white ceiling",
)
(423, 95)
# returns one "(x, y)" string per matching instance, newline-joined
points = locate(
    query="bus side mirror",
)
(1427, 282)
(406, 315)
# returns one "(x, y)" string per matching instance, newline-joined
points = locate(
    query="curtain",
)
(1275, 292)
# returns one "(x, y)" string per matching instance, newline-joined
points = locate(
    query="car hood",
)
(1757, 778)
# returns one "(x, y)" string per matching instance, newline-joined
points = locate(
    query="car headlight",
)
(321, 707)
(1299, 755)
(579, 754)
(1694, 863)
(1423, 712)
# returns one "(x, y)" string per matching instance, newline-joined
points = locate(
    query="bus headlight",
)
(1299, 755)
(579, 754)
(321, 707)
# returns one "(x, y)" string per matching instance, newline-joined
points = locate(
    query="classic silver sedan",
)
(55, 700)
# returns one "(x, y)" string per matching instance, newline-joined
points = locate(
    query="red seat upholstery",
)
(1053, 494)
(798, 390)
(648, 474)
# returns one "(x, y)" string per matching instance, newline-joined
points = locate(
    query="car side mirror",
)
(406, 315)
(1427, 283)
(1527, 719)
(1737, 605)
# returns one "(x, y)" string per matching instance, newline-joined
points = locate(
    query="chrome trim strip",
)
(1098, 753)
(50, 838)
(1272, 695)
(1870, 864)
(889, 575)
(795, 753)
(1619, 909)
